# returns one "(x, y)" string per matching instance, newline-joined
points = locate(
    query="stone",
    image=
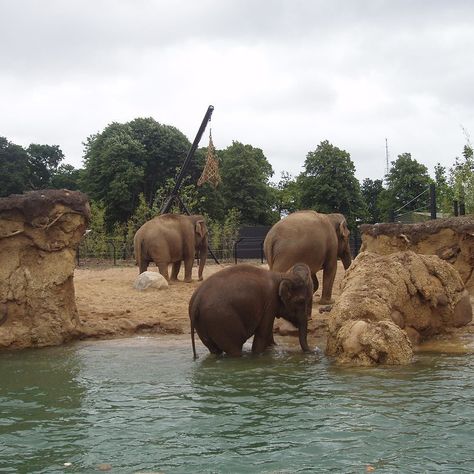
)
(39, 234)
(391, 302)
(452, 239)
(150, 279)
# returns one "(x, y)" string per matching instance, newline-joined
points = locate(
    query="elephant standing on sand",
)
(240, 301)
(312, 238)
(172, 238)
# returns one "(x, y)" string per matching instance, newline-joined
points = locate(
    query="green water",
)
(144, 405)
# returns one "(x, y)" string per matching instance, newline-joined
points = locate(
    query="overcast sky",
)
(283, 75)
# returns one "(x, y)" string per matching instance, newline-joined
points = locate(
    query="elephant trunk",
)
(303, 333)
(202, 258)
(346, 259)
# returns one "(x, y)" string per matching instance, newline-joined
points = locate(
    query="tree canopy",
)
(407, 186)
(371, 192)
(37, 167)
(328, 183)
(245, 173)
(126, 160)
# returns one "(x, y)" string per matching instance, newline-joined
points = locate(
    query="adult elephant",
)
(312, 238)
(171, 239)
(240, 301)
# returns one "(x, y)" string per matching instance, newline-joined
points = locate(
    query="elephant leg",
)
(329, 274)
(143, 266)
(315, 282)
(163, 269)
(188, 268)
(263, 337)
(175, 270)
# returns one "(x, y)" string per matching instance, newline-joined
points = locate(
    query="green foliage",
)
(444, 192)
(14, 169)
(406, 181)
(43, 162)
(371, 192)
(329, 185)
(66, 177)
(287, 195)
(462, 178)
(37, 167)
(223, 234)
(128, 159)
(245, 174)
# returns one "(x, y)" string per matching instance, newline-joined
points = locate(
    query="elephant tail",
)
(269, 251)
(193, 313)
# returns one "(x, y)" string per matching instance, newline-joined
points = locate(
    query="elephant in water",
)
(240, 301)
(172, 238)
(312, 238)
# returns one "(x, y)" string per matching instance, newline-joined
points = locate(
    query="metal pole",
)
(433, 200)
(179, 180)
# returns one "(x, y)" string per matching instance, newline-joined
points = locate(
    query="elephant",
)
(312, 238)
(243, 300)
(172, 238)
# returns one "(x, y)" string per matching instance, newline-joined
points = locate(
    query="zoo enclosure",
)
(98, 249)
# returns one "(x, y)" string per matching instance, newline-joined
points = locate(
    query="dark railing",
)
(249, 248)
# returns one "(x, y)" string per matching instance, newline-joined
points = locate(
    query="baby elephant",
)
(241, 301)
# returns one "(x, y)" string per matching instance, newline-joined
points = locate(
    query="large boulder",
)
(39, 235)
(390, 302)
(150, 279)
(451, 239)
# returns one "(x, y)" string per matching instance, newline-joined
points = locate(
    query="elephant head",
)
(296, 295)
(200, 241)
(342, 232)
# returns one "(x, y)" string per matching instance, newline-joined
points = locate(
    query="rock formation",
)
(39, 235)
(390, 302)
(452, 239)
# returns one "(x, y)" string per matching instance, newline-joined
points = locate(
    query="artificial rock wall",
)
(39, 234)
(391, 302)
(451, 239)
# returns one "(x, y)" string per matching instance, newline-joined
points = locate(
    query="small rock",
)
(104, 467)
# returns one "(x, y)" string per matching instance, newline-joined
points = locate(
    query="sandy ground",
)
(109, 307)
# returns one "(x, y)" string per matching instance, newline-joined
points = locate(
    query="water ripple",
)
(147, 406)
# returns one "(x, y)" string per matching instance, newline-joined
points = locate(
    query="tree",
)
(245, 174)
(43, 162)
(407, 186)
(462, 178)
(66, 177)
(14, 168)
(444, 192)
(286, 195)
(329, 185)
(125, 160)
(371, 192)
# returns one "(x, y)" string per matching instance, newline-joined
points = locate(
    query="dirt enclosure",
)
(109, 306)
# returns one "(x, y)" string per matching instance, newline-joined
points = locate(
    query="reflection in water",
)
(144, 405)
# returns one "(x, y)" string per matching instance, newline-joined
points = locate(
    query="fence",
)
(248, 246)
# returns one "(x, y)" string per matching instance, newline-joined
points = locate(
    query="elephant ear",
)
(302, 270)
(343, 230)
(200, 228)
(284, 290)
